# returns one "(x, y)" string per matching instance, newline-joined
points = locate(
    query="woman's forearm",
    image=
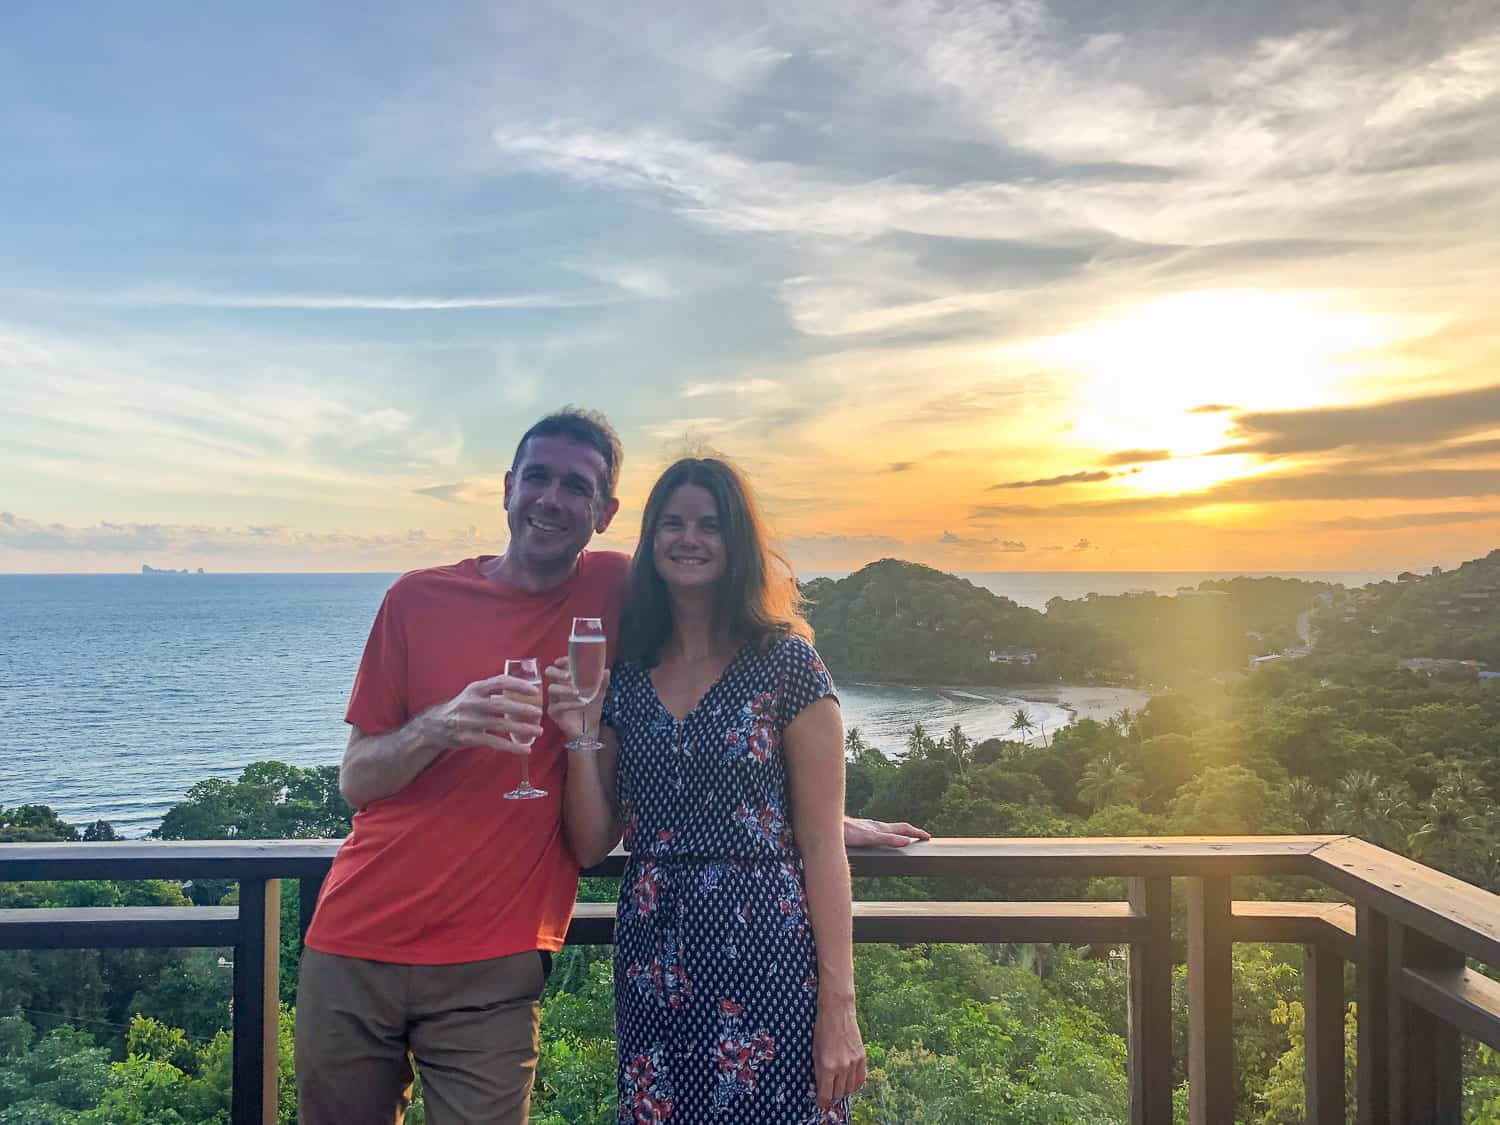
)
(589, 822)
(826, 869)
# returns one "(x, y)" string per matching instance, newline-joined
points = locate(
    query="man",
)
(435, 928)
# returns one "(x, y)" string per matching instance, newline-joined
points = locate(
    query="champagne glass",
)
(586, 659)
(528, 670)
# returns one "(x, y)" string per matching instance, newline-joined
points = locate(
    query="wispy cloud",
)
(1088, 477)
(1138, 456)
(731, 387)
(1406, 421)
(445, 492)
(1003, 546)
(247, 543)
(1409, 519)
(337, 302)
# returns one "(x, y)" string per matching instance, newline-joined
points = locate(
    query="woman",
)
(723, 767)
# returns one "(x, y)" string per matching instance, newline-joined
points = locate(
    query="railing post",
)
(1323, 1007)
(308, 890)
(1210, 1003)
(257, 961)
(1150, 1005)
(1373, 1053)
(1426, 1060)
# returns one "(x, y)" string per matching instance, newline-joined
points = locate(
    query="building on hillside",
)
(1258, 662)
(1012, 654)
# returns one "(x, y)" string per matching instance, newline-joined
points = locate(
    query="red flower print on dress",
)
(649, 1099)
(647, 891)
(737, 1058)
(836, 1114)
(755, 731)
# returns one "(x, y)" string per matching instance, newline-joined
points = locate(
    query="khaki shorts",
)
(470, 1028)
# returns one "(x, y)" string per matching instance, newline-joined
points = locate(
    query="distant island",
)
(153, 570)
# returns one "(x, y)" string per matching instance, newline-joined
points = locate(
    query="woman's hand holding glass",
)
(572, 715)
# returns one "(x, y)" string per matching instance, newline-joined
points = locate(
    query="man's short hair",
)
(586, 427)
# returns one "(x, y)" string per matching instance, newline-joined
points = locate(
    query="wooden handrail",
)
(1406, 927)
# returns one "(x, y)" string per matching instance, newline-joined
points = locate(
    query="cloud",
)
(733, 387)
(1406, 421)
(900, 466)
(1005, 546)
(446, 492)
(1302, 485)
(1052, 482)
(255, 542)
(1211, 408)
(1138, 456)
(337, 302)
(1410, 519)
(1081, 545)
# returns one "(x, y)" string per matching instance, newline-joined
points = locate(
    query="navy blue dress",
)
(716, 981)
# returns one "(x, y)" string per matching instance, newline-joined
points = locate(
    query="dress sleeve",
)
(804, 679)
(609, 714)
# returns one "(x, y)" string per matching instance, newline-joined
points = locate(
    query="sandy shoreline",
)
(1097, 703)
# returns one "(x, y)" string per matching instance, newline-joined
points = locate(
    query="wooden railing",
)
(1410, 932)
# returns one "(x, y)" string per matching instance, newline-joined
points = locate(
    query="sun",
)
(1170, 373)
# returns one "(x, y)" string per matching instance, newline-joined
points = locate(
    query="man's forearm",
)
(376, 766)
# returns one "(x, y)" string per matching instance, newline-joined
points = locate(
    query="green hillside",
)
(1453, 615)
(901, 621)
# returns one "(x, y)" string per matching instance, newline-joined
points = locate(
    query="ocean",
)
(118, 692)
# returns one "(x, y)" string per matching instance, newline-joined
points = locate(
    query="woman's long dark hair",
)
(758, 597)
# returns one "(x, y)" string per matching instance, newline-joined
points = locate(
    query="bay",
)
(119, 692)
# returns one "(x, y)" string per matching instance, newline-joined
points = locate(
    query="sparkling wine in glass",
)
(528, 670)
(586, 660)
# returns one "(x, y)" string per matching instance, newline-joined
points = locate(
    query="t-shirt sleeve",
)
(378, 702)
(804, 679)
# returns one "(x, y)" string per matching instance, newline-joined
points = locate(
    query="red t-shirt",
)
(447, 870)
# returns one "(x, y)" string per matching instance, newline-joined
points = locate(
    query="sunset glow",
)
(1000, 286)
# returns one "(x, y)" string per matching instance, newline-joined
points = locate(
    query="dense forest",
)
(1343, 738)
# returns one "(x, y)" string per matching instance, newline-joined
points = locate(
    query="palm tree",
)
(1448, 824)
(1108, 780)
(918, 745)
(1308, 803)
(855, 746)
(1023, 722)
(1366, 808)
(957, 746)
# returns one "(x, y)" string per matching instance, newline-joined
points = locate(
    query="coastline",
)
(1082, 701)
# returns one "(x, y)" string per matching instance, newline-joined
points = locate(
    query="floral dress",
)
(716, 982)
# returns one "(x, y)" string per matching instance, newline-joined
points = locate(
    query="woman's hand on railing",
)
(861, 832)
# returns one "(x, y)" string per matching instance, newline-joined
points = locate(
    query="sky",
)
(1013, 285)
